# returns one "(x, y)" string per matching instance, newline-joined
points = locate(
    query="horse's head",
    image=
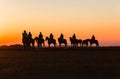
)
(70, 38)
(47, 38)
(36, 38)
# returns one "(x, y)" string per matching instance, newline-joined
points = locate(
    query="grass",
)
(60, 63)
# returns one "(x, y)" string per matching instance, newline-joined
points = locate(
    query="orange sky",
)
(84, 18)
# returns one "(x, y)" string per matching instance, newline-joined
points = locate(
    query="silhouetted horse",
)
(51, 41)
(62, 41)
(85, 42)
(79, 41)
(75, 42)
(27, 42)
(31, 41)
(72, 41)
(40, 41)
(89, 41)
(94, 42)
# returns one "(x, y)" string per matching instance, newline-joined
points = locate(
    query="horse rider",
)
(24, 38)
(61, 36)
(51, 36)
(74, 36)
(93, 37)
(30, 35)
(41, 35)
(24, 34)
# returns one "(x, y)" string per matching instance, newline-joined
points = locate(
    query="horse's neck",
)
(88, 39)
(48, 39)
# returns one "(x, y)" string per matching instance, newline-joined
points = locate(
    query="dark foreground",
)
(60, 63)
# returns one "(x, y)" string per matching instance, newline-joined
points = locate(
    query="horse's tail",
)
(97, 42)
(66, 42)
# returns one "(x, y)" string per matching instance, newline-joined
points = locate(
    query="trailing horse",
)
(51, 41)
(62, 41)
(90, 41)
(94, 42)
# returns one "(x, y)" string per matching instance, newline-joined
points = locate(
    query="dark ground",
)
(60, 63)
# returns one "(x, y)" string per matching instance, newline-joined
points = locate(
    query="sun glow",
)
(84, 18)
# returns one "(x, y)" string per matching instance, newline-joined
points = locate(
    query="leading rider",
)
(24, 34)
(24, 38)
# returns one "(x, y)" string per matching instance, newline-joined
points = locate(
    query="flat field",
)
(60, 63)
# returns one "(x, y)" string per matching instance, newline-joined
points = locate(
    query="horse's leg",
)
(54, 44)
(98, 44)
(43, 44)
(90, 44)
(79, 44)
(29, 45)
(87, 44)
(59, 44)
(71, 44)
(23, 44)
(49, 45)
(30, 42)
(65, 44)
(82, 44)
(40, 44)
(76, 44)
(33, 44)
